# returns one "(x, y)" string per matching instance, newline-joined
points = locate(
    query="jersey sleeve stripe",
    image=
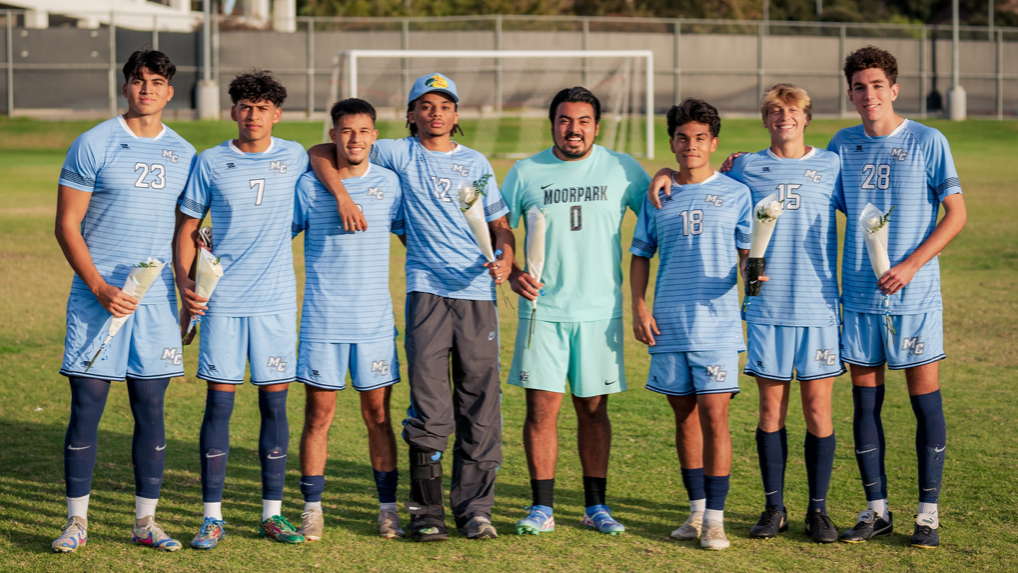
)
(947, 184)
(192, 206)
(643, 247)
(495, 208)
(76, 178)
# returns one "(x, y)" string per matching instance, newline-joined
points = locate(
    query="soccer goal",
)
(505, 94)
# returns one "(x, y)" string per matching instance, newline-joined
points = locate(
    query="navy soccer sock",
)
(819, 465)
(930, 443)
(312, 487)
(88, 400)
(214, 444)
(693, 482)
(594, 489)
(772, 450)
(386, 484)
(148, 449)
(273, 442)
(543, 492)
(869, 440)
(716, 488)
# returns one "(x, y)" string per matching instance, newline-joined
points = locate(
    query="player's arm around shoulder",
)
(322, 159)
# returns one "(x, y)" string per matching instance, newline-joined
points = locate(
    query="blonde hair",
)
(786, 94)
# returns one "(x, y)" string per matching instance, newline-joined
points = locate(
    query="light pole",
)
(208, 89)
(956, 104)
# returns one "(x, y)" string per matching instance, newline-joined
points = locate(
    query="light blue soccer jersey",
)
(250, 197)
(696, 232)
(346, 293)
(583, 203)
(912, 170)
(442, 257)
(802, 256)
(135, 183)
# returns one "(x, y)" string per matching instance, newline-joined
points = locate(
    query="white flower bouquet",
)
(210, 270)
(536, 226)
(874, 231)
(139, 280)
(765, 217)
(473, 211)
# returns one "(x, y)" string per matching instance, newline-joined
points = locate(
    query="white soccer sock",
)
(388, 505)
(214, 509)
(928, 509)
(714, 516)
(313, 506)
(271, 507)
(144, 507)
(696, 505)
(77, 506)
(879, 506)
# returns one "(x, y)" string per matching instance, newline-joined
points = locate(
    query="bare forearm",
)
(945, 232)
(639, 275)
(76, 252)
(323, 163)
(185, 248)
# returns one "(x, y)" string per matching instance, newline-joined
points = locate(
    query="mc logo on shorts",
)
(379, 367)
(277, 363)
(172, 356)
(825, 356)
(913, 346)
(715, 373)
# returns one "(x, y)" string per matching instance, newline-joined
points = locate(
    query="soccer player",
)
(347, 323)
(583, 190)
(793, 326)
(115, 209)
(247, 184)
(450, 310)
(892, 162)
(695, 332)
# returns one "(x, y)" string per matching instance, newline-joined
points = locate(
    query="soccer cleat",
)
(210, 534)
(691, 528)
(714, 537)
(772, 521)
(428, 528)
(73, 537)
(479, 527)
(539, 520)
(868, 526)
(820, 528)
(388, 524)
(278, 528)
(925, 535)
(600, 518)
(312, 525)
(147, 532)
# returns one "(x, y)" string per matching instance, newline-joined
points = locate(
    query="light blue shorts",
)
(866, 340)
(587, 354)
(776, 352)
(146, 347)
(692, 373)
(229, 342)
(372, 364)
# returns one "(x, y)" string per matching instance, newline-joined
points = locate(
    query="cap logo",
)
(436, 82)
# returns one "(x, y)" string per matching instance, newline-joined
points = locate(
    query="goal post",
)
(504, 94)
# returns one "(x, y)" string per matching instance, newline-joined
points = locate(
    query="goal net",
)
(505, 94)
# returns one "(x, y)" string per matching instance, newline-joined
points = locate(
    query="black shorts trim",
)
(923, 363)
(821, 377)
(749, 372)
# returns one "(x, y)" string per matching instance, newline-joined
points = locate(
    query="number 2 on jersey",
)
(260, 184)
(155, 169)
(882, 173)
(442, 186)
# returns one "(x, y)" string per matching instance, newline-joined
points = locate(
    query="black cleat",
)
(925, 535)
(820, 528)
(428, 528)
(772, 522)
(869, 525)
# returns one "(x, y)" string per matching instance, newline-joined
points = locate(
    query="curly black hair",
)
(257, 85)
(871, 57)
(152, 60)
(352, 106)
(694, 110)
(575, 95)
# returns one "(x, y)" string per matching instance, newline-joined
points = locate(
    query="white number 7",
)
(260, 184)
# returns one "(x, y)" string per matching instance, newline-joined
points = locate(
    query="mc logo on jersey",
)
(437, 82)
(379, 367)
(825, 356)
(813, 176)
(714, 200)
(277, 166)
(376, 192)
(461, 170)
(913, 346)
(524, 376)
(277, 363)
(715, 373)
(170, 154)
(899, 154)
(172, 356)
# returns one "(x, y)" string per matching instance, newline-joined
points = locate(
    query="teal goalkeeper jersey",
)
(584, 203)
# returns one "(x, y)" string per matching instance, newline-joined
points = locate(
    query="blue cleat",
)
(148, 533)
(539, 520)
(212, 531)
(600, 518)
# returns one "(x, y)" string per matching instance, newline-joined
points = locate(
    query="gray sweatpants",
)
(467, 330)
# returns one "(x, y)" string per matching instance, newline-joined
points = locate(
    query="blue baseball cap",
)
(433, 83)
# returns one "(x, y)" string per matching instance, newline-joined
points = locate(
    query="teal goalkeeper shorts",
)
(587, 354)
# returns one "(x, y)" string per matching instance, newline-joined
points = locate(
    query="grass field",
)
(978, 509)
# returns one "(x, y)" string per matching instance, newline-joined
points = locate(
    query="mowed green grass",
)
(978, 506)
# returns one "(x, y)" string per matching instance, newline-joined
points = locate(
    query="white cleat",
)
(690, 529)
(714, 537)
